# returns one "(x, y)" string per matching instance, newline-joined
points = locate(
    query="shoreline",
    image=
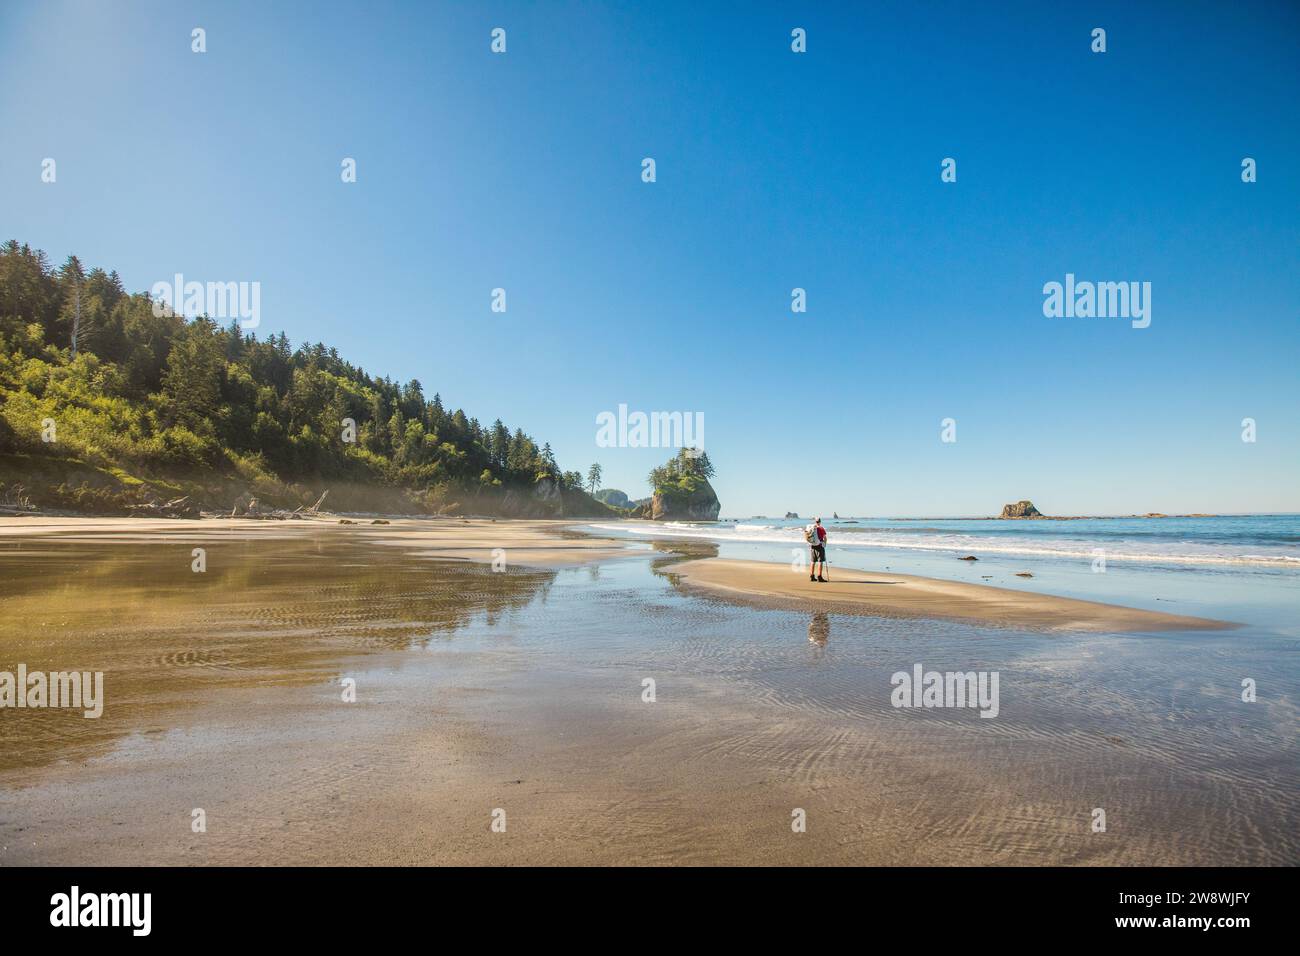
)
(559, 542)
(524, 691)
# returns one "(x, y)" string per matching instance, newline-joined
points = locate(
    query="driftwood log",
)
(176, 508)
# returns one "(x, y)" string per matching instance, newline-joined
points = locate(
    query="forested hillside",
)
(105, 405)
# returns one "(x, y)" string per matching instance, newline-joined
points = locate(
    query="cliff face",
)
(699, 504)
(542, 500)
(546, 499)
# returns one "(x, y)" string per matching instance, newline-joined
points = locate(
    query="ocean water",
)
(524, 690)
(1244, 568)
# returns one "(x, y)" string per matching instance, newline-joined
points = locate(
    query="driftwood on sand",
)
(15, 501)
(175, 508)
(247, 506)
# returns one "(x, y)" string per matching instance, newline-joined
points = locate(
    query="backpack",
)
(810, 535)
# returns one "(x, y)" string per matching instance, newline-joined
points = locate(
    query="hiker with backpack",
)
(815, 535)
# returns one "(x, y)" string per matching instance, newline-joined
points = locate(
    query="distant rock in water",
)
(791, 516)
(1021, 509)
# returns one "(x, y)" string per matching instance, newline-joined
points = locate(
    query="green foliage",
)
(156, 395)
(682, 474)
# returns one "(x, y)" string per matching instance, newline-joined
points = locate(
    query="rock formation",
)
(541, 500)
(1021, 509)
(701, 504)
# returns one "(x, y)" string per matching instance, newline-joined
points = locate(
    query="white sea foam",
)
(1175, 552)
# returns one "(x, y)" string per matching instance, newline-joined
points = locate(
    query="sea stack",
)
(1021, 509)
(698, 504)
(682, 490)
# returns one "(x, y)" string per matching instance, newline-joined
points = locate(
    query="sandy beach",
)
(522, 689)
(552, 544)
(532, 543)
(885, 594)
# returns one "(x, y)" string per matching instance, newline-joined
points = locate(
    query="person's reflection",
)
(819, 629)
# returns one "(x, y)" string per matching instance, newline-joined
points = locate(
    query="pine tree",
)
(519, 457)
(546, 466)
(397, 435)
(74, 276)
(499, 445)
(413, 400)
(192, 376)
(234, 341)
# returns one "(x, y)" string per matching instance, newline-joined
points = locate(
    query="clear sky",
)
(775, 170)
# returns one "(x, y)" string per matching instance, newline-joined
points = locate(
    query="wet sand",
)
(522, 690)
(885, 594)
(530, 543)
(551, 544)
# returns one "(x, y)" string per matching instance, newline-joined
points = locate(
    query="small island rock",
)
(1021, 509)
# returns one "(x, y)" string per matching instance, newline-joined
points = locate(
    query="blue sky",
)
(775, 170)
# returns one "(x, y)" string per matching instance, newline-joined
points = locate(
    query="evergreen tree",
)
(397, 435)
(234, 341)
(546, 466)
(413, 400)
(193, 376)
(74, 278)
(499, 445)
